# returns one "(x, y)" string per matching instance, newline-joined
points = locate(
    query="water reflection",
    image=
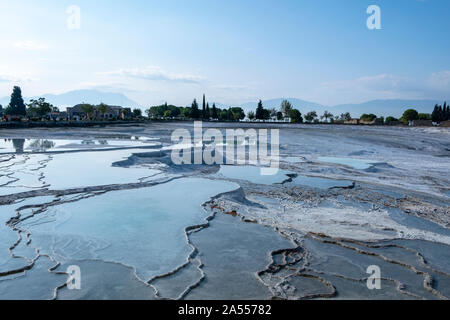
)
(41, 145)
(88, 142)
(18, 145)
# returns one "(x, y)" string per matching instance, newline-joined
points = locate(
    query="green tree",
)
(214, 113)
(368, 117)
(280, 116)
(345, 116)
(311, 116)
(195, 112)
(16, 105)
(204, 107)
(424, 116)
(102, 108)
(168, 114)
(137, 113)
(88, 109)
(230, 115)
(441, 113)
(390, 119)
(223, 115)
(410, 115)
(237, 113)
(435, 116)
(251, 115)
(296, 116)
(186, 112)
(266, 114)
(326, 115)
(259, 114)
(286, 108)
(207, 112)
(39, 107)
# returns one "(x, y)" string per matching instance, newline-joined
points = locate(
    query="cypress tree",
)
(195, 112)
(445, 112)
(16, 105)
(435, 114)
(204, 107)
(259, 111)
(207, 112)
(214, 114)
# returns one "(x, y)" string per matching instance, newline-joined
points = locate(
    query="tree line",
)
(441, 113)
(194, 112)
(39, 108)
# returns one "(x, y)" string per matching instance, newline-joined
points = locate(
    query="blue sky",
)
(234, 51)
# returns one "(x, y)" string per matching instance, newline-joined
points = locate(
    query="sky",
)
(234, 51)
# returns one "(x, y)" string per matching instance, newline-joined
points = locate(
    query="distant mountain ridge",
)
(387, 107)
(72, 98)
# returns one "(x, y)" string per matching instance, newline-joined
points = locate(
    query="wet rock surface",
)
(111, 201)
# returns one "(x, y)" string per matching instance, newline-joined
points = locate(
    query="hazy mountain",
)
(393, 107)
(72, 98)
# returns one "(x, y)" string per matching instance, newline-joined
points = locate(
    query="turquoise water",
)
(121, 237)
(92, 169)
(143, 228)
(319, 183)
(252, 174)
(354, 163)
(67, 170)
(8, 236)
(51, 145)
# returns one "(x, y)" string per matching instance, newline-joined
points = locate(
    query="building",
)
(351, 121)
(57, 115)
(76, 112)
(376, 121)
(445, 124)
(395, 123)
(112, 112)
(421, 123)
(126, 114)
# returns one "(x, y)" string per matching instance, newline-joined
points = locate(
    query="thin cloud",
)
(389, 86)
(440, 80)
(378, 83)
(230, 87)
(154, 73)
(9, 78)
(29, 45)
